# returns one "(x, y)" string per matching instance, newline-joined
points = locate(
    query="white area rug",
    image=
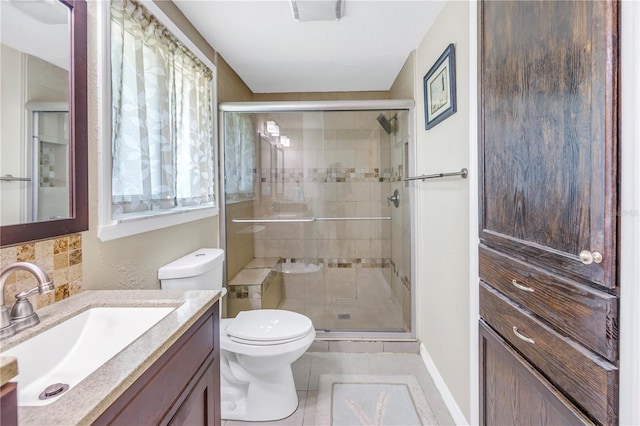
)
(366, 400)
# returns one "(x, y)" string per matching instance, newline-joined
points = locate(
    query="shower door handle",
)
(395, 198)
(271, 220)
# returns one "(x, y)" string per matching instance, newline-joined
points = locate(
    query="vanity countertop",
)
(8, 369)
(87, 400)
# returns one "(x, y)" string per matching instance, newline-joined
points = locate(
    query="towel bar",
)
(462, 173)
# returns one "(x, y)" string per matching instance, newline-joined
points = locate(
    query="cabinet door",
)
(513, 393)
(198, 407)
(548, 122)
(9, 404)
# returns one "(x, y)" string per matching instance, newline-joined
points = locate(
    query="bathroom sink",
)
(72, 350)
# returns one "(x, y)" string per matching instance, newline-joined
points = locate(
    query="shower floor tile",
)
(354, 299)
(349, 314)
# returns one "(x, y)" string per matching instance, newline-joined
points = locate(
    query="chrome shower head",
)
(386, 123)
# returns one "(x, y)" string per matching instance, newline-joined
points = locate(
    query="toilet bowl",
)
(257, 347)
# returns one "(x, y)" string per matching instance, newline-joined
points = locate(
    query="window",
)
(239, 153)
(162, 138)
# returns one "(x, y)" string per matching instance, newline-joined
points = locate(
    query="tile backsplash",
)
(61, 259)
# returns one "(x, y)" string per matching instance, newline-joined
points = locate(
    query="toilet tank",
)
(200, 270)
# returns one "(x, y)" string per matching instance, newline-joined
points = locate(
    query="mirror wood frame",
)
(78, 168)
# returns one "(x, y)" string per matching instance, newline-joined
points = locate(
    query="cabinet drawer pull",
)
(516, 284)
(522, 336)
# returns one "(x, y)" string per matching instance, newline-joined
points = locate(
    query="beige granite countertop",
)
(8, 369)
(91, 397)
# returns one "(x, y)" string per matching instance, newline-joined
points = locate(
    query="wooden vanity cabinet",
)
(549, 297)
(181, 388)
(9, 404)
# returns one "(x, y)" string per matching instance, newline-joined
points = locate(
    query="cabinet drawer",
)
(514, 393)
(585, 314)
(589, 380)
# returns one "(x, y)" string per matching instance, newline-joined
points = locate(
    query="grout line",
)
(306, 401)
(309, 374)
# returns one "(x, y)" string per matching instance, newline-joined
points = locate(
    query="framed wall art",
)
(440, 89)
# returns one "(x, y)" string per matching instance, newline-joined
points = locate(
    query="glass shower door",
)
(356, 245)
(317, 231)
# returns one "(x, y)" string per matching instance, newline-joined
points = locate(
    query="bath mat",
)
(366, 400)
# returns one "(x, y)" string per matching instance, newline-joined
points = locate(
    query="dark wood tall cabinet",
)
(548, 115)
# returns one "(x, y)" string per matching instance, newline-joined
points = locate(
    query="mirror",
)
(43, 170)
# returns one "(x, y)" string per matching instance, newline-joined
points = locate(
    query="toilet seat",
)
(268, 327)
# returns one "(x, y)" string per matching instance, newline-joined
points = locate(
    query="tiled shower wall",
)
(61, 259)
(337, 166)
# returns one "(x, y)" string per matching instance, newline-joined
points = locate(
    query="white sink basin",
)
(72, 350)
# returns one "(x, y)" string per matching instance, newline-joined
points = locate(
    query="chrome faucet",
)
(22, 314)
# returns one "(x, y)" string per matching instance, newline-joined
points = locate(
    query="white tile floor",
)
(310, 366)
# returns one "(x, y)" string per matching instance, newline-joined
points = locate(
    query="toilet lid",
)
(268, 326)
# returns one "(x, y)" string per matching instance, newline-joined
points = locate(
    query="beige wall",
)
(319, 96)
(442, 205)
(133, 262)
(404, 85)
(231, 88)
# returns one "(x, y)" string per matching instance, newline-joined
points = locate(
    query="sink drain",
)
(53, 390)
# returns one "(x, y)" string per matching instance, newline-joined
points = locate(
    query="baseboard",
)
(450, 402)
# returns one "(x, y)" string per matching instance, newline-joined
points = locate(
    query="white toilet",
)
(257, 347)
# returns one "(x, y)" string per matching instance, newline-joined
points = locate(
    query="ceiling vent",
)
(317, 10)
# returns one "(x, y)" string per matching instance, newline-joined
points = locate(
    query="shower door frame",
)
(322, 106)
(34, 109)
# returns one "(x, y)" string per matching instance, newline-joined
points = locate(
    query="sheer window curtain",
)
(240, 146)
(162, 117)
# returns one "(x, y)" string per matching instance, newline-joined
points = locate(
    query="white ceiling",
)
(45, 40)
(272, 52)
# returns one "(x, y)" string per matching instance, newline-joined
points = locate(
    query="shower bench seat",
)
(256, 286)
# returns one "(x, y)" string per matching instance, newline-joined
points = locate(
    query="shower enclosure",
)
(316, 213)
